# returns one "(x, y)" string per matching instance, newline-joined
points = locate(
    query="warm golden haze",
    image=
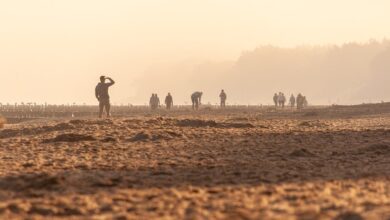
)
(52, 50)
(195, 109)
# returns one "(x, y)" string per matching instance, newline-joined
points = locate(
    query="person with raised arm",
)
(101, 93)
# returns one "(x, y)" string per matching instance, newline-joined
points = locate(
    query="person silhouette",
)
(275, 98)
(223, 98)
(196, 99)
(169, 101)
(101, 93)
(292, 101)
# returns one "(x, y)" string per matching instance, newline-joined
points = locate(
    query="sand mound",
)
(77, 122)
(196, 123)
(305, 123)
(155, 136)
(167, 135)
(42, 181)
(141, 136)
(101, 122)
(157, 120)
(211, 123)
(109, 139)
(236, 125)
(58, 127)
(349, 216)
(238, 119)
(91, 122)
(8, 133)
(302, 152)
(308, 114)
(378, 149)
(132, 121)
(311, 124)
(71, 137)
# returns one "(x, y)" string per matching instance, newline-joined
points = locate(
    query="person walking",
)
(223, 98)
(169, 101)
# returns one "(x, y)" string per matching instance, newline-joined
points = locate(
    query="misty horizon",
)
(55, 51)
(205, 74)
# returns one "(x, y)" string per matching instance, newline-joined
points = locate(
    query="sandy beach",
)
(320, 163)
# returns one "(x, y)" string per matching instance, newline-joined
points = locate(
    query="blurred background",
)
(334, 52)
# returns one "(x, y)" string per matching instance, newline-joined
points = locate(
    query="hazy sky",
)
(55, 50)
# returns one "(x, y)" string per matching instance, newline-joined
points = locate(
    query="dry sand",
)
(2, 122)
(331, 163)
